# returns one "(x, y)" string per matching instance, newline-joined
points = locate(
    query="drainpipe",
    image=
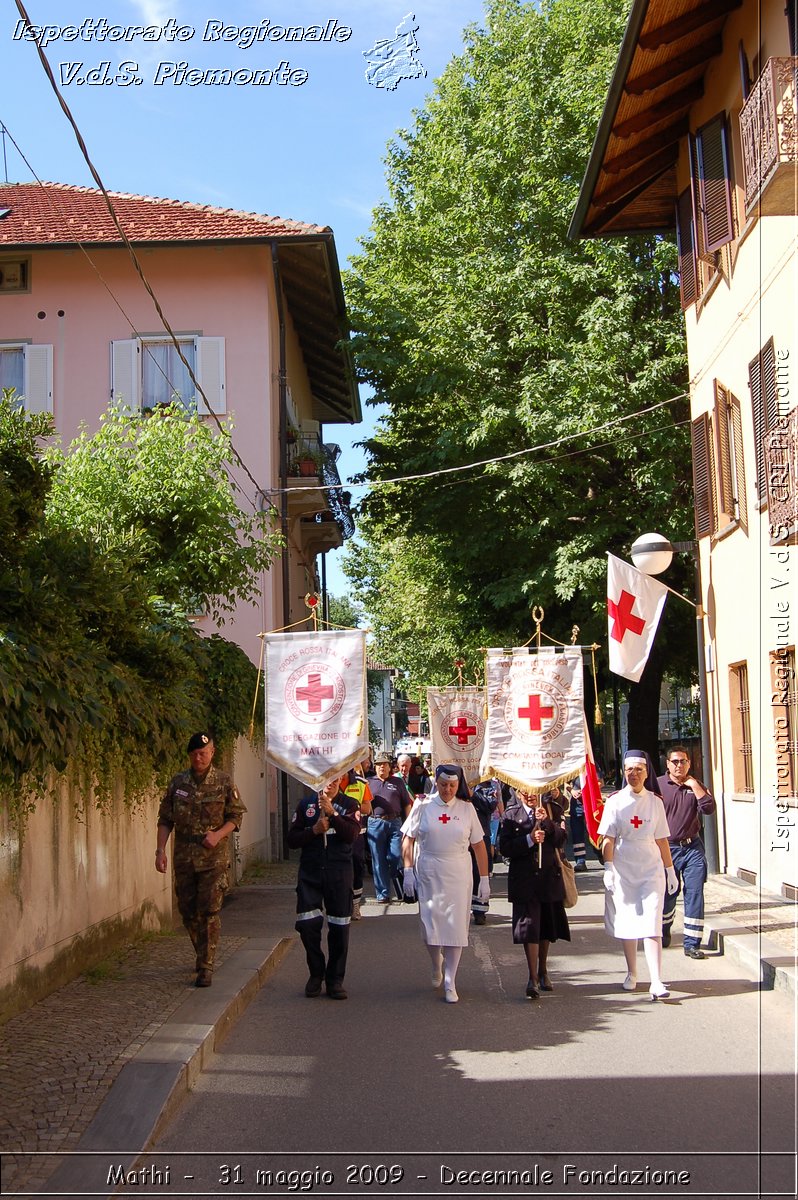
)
(283, 444)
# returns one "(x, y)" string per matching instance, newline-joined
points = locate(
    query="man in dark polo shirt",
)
(389, 805)
(685, 799)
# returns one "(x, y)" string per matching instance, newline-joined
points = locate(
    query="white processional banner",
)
(536, 731)
(316, 707)
(457, 728)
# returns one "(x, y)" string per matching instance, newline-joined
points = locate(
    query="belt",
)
(684, 841)
(383, 817)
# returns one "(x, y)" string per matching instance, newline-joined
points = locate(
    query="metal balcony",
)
(770, 140)
(320, 504)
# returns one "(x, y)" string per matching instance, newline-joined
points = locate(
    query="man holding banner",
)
(324, 827)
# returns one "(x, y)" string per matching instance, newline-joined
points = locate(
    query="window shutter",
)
(210, 374)
(703, 476)
(764, 408)
(723, 451)
(126, 374)
(739, 462)
(688, 267)
(714, 183)
(38, 386)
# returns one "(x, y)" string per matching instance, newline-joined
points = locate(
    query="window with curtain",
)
(164, 377)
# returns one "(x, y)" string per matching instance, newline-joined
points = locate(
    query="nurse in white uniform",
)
(435, 842)
(638, 867)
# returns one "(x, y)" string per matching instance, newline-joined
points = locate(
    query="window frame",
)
(36, 395)
(127, 379)
(741, 733)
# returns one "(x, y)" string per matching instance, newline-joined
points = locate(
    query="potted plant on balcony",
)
(309, 462)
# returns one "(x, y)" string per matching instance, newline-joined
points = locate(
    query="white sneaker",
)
(437, 977)
(658, 991)
(450, 995)
(630, 983)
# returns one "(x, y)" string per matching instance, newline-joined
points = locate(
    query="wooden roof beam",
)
(688, 22)
(679, 65)
(660, 112)
(637, 179)
(652, 145)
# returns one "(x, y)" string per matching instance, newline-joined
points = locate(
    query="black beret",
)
(198, 741)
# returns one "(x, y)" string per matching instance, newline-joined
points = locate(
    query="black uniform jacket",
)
(336, 846)
(525, 879)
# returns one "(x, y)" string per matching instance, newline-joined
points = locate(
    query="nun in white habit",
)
(638, 867)
(435, 842)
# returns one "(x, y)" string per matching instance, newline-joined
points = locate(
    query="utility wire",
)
(134, 258)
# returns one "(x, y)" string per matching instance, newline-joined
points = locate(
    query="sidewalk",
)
(105, 1059)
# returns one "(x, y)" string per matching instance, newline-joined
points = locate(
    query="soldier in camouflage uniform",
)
(203, 807)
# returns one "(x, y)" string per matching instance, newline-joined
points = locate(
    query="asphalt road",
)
(588, 1091)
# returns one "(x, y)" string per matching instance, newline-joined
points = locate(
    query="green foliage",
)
(157, 491)
(485, 331)
(98, 679)
(344, 613)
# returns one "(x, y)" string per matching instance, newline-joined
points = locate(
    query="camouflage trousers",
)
(200, 894)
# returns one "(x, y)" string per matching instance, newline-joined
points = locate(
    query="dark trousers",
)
(358, 865)
(690, 865)
(325, 888)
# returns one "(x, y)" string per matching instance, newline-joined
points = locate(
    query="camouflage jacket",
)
(192, 808)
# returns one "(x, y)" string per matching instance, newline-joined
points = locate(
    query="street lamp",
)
(652, 554)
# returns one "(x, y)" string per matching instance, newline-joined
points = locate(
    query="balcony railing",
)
(781, 467)
(311, 459)
(770, 139)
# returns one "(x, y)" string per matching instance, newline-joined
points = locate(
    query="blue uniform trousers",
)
(385, 843)
(690, 864)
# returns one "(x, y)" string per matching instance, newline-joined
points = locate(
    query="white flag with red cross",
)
(457, 728)
(536, 730)
(634, 606)
(316, 707)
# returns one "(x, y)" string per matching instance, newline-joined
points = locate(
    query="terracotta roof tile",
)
(59, 213)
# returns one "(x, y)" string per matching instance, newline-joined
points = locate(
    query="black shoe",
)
(580, 865)
(336, 991)
(313, 987)
(544, 983)
(694, 952)
(204, 978)
(666, 938)
(532, 992)
(480, 918)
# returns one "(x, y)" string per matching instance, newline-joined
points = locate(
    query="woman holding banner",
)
(435, 842)
(530, 835)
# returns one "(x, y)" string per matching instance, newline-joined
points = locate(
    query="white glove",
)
(609, 877)
(672, 881)
(483, 891)
(409, 883)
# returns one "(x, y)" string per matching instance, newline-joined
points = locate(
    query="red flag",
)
(592, 799)
(634, 607)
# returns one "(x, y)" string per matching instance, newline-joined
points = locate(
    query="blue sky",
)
(311, 151)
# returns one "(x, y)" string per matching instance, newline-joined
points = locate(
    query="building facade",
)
(699, 139)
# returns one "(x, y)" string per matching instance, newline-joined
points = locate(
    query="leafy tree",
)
(344, 613)
(485, 332)
(157, 491)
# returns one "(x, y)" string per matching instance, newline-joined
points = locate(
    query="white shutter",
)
(38, 376)
(209, 359)
(126, 374)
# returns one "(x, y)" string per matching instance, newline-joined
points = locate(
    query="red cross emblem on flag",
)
(314, 693)
(462, 731)
(636, 821)
(623, 618)
(536, 713)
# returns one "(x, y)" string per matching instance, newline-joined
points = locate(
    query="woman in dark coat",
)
(529, 837)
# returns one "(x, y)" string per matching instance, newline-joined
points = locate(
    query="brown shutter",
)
(685, 241)
(714, 183)
(723, 451)
(703, 476)
(739, 462)
(764, 408)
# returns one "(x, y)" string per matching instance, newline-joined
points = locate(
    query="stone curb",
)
(152, 1084)
(760, 957)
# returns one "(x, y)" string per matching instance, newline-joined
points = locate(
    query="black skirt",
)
(539, 921)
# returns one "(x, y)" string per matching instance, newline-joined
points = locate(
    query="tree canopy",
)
(488, 334)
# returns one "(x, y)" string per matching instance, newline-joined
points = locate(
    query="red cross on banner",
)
(623, 618)
(314, 693)
(636, 821)
(535, 713)
(462, 731)
(634, 606)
